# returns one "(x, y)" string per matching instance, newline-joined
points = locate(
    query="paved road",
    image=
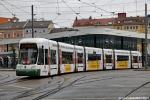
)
(99, 85)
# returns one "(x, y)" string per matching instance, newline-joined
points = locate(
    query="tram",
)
(43, 57)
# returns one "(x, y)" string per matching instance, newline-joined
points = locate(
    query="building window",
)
(8, 35)
(127, 27)
(18, 35)
(136, 27)
(131, 27)
(118, 28)
(5, 36)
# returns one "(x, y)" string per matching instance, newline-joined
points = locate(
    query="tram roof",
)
(36, 40)
(81, 31)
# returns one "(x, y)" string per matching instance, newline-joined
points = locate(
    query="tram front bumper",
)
(28, 72)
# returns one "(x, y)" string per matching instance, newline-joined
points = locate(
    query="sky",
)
(64, 12)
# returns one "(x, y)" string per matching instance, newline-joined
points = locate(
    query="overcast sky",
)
(63, 12)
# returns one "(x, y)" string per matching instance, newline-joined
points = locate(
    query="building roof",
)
(38, 24)
(27, 24)
(4, 20)
(93, 22)
(81, 32)
(120, 20)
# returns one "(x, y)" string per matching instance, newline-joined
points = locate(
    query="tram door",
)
(79, 58)
(43, 60)
(108, 59)
(53, 58)
(136, 59)
(94, 60)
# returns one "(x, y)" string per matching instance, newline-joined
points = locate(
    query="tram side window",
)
(122, 58)
(108, 58)
(140, 58)
(135, 59)
(46, 56)
(80, 57)
(53, 56)
(67, 57)
(41, 57)
(94, 57)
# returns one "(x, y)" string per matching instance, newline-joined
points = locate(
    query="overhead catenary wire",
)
(11, 12)
(19, 8)
(96, 7)
(52, 9)
(72, 9)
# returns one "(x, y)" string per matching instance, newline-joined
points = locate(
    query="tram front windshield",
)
(28, 54)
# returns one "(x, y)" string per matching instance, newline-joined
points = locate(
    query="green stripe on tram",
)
(28, 72)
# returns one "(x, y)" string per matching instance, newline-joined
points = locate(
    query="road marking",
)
(20, 87)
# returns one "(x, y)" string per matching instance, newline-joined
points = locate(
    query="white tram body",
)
(122, 59)
(43, 57)
(94, 58)
(67, 58)
(33, 59)
(108, 59)
(136, 59)
(79, 58)
(53, 58)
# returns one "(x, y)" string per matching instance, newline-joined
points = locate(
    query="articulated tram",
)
(43, 57)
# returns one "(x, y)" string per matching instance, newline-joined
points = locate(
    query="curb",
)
(7, 69)
(142, 69)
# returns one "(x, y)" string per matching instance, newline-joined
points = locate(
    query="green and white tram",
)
(43, 57)
(37, 57)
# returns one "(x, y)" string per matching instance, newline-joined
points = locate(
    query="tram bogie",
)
(43, 57)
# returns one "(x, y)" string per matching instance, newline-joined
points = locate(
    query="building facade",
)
(135, 24)
(106, 22)
(91, 37)
(14, 30)
(122, 22)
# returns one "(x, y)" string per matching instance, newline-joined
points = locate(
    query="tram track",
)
(3, 77)
(46, 90)
(57, 89)
(37, 90)
(84, 81)
(11, 81)
(48, 93)
(134, 90)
